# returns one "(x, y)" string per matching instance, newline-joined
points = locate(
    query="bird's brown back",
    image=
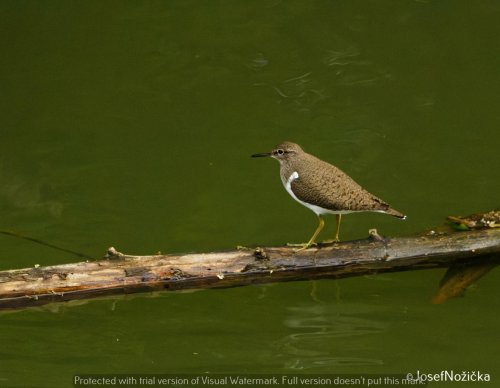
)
(325, 185)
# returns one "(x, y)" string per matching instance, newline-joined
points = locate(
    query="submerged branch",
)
(44, 243)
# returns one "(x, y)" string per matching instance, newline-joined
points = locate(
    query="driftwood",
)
(123, 274)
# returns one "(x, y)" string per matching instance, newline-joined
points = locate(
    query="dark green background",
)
(130, 124)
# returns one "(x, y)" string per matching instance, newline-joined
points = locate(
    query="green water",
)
(130, 124)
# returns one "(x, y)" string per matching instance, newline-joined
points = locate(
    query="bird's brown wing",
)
(332, 189)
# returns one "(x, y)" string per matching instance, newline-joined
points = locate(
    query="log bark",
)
(122, 274)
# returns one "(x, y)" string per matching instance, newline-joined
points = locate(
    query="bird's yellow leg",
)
(337, 230)
(338, 218)
(312, 240)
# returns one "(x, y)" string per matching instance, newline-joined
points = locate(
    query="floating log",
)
(118, 273)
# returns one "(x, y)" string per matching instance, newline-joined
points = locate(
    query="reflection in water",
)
(259, 62)
(343, 58)
(25, 192)
(322, 331)
(318, 362)
(302, 91)
(351, 69)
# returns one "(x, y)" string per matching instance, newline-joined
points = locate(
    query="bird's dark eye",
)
(280, 152)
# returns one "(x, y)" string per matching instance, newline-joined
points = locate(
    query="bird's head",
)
(282, 152)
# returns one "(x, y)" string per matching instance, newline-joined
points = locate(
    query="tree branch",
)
(119, 274)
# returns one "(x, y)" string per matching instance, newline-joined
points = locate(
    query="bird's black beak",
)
(263, 155)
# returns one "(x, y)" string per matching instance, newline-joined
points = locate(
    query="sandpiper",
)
(323, 188)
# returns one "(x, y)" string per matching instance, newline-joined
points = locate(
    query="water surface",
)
(130, 124)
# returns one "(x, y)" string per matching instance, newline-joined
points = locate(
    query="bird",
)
(323, 188)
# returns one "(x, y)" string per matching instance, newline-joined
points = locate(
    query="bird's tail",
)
(395, 213)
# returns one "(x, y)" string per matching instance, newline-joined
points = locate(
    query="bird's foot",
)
(331, 241)
(373, 234)
(301, 247)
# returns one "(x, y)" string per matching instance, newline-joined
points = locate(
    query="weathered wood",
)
(119, 274)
